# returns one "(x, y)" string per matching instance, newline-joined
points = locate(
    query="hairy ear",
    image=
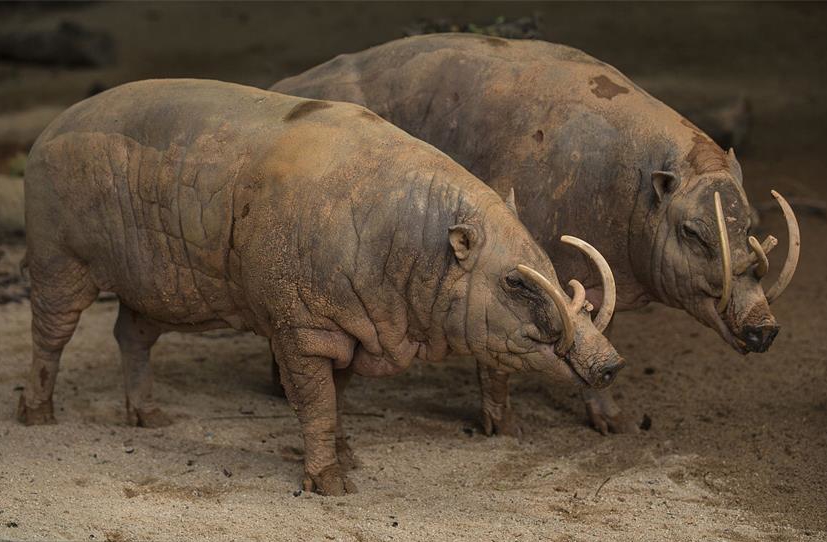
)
(734, 166)
(511, 203)
(664, 183)
(464, 239)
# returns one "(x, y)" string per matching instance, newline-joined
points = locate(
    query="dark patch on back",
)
(368, 114)
(496, 42)
(305, 108)
(689, 125)
(538, 136)
(706, 156)
(606, 88)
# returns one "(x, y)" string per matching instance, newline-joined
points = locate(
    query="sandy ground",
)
(737, 449)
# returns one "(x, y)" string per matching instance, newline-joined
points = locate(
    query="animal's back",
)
(138, 183)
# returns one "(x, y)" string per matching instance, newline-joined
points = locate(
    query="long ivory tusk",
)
(567, 339)
(793, 250)
(607, 307)
(579, 296)
(761, 257)
(726, 260)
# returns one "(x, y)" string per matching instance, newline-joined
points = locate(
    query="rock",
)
(69, 45)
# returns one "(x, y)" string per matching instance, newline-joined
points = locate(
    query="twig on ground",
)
(596, 493)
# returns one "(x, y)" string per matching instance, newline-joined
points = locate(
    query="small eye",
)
(515, 281)
(690, 231)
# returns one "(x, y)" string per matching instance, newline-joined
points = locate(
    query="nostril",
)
(608, 376)
(759, 338)
(609, 372)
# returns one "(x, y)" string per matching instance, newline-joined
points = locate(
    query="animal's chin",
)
(723, 330)
(566, 369)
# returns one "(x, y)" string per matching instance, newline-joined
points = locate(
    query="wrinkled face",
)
(687, 264)
(508, 322)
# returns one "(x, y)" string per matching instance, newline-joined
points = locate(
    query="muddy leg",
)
(604, 413)
(61, 289)
(497, 416)
(135, 337)
(278, 389)
(344, 453)
(308, 382)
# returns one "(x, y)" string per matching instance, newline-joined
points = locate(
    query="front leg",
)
(310, 389)
(497, 416)
(347, 459)
(605, 415)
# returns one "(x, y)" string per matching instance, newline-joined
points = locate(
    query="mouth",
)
(566, 368)
(577, 377)
(723, 330)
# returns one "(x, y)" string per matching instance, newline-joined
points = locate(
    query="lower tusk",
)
(769, 243)
(763, 264)
(726, 261)
(567, 339)
(607, 306)
(793, 250)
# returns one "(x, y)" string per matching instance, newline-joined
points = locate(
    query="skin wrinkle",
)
(128, 197)
(374, 339)
(178, 184)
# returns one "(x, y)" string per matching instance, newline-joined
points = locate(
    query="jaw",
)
(545, 360)
(714, 320)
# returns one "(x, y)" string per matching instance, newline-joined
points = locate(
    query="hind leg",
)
(62, 288)
(136, 336)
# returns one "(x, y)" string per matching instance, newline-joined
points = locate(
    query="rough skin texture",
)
(580, 144)
(349, 244)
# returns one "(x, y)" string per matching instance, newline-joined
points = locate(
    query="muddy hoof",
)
(42, 414)
(150, 418)
(503, 423)
(606, 423)
(347, 459)
(330, 482)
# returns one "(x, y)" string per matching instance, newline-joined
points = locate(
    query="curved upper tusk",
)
(578, 299)
(567, 339)
(763, 264)
(793, 249)
(726, 260)
(607, 307)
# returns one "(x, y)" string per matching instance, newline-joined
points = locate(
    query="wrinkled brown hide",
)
(581, 146)
(351, 245)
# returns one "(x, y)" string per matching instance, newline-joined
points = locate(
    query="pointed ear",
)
(510, 203)
(734, 166)
(664, 183)
(465, 240)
